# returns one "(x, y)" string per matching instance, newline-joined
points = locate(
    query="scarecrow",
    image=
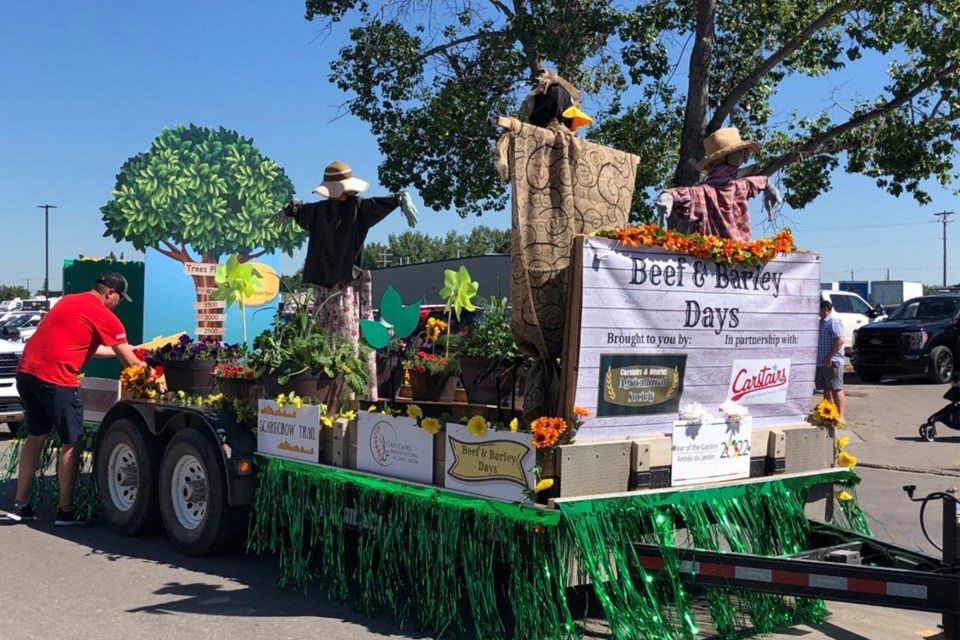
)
(337, 229)
(718, 205)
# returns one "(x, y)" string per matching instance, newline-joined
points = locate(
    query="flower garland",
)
(722, 250)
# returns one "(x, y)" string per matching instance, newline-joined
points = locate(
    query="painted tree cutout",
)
(209, 191)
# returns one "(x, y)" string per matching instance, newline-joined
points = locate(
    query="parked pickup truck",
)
(10, 408)
(919, 338)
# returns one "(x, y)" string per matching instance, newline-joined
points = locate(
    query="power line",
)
(860, 226)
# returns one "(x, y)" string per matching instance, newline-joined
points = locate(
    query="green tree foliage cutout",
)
(658, 77)
(204, 190)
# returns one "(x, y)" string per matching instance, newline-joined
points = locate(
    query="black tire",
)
(928, 432)
(193, 498)
(941, 365)
(868, 376)
(127, 472)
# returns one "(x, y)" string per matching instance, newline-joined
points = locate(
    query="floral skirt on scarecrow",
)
(346, 304)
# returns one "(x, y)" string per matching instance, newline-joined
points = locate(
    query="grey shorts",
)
(830, 377)
(49, 406)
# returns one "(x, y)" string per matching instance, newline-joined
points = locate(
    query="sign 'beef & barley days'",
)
(651, 329)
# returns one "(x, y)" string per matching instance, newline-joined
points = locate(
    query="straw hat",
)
(723, 142)
(338, 178)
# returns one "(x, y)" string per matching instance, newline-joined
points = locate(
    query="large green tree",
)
(427, 76)
(9, 292)
(199, 194)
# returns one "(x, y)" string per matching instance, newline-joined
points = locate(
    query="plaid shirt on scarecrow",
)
(719, 203)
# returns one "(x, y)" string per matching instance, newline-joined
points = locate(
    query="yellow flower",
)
(414, 412)
(327, 421)
(298, 402)
(281, 400)
(842, 442)
(349, 415)
(430, 425)
(478, 426)
(514, 425)
(846, 460)
(842, 496)
(543, 485)
(372, 408)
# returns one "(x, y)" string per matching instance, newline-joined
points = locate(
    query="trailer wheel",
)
(193, 497)
(127, 468)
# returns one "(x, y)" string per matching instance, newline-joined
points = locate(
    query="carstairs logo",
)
(759, 381)
(382, 433)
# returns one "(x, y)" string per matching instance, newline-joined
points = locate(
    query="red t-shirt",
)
(68, 336)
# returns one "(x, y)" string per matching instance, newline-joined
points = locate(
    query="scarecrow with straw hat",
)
(718, 205)
(337, 229)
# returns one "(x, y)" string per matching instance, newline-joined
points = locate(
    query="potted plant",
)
(237, 380)
(489, 358)
(298, 356)
(389, 339)
(432, 375)
(188, 364)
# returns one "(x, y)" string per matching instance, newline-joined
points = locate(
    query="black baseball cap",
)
(116, 282)
(826, 304)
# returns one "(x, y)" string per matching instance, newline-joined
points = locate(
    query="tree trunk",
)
(698, 96)
(204, 285)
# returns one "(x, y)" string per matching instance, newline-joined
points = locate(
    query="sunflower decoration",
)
(430, 425)
(140, 381)
(477, 425)
(825, 414)
(843, 458)
(547, 431)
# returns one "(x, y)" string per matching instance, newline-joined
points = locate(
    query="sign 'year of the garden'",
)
(652, 330)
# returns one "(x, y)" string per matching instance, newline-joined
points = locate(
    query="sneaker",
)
(66, 518)
(21, 511)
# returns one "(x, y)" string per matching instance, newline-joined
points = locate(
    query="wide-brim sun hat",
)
(338, 179)
(723, 142)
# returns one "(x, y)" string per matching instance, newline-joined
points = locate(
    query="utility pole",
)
(943, 215)
(46, 243)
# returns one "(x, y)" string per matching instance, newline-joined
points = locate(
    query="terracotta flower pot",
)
(194, 377)
(439, 388)
(307, 385)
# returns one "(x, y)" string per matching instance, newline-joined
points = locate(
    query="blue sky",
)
(84, 87)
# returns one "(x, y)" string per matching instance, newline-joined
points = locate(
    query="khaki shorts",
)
(830, 377)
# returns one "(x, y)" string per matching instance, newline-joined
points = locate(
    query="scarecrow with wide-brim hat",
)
(718, 205)
(337, 230)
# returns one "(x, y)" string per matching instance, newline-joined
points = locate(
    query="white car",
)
(10, 408)
(853, 311)
(21, 326)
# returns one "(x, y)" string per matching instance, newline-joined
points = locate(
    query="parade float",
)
(660, 454)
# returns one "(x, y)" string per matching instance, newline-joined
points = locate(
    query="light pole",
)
(46, 243)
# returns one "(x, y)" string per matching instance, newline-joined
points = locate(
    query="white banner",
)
(394, 446)
(498, 465)
(710, 452)
(289, 432)
(659, 329)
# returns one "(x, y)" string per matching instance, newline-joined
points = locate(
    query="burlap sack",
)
(562, 187)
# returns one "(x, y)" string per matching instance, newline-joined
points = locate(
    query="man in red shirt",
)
(78, 327)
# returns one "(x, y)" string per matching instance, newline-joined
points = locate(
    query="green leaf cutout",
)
(375, 333)
(404, 320)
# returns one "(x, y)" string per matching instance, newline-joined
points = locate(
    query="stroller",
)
(948, 415)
